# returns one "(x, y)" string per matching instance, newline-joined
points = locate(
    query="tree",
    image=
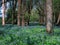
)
(23, 11)
(13, 11)
(30, 2)
(49, 23)
(56, 11)
(3, 13)
(18, 16)
(58, 21)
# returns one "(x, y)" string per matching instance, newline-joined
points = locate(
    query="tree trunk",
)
(45, 12)
(29, 10)
(23, 11)
(58, 21)
(12, 19)
(3, 13)
(49, 25)
(23, 22)
(18, 16)
(14, 12)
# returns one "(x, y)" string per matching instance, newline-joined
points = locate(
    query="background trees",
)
(22, 12)
(28, 20)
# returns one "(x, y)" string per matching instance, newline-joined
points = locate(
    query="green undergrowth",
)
(29, 35)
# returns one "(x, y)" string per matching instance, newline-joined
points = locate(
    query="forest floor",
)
(28, 35)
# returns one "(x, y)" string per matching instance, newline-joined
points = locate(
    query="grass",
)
(29, 35)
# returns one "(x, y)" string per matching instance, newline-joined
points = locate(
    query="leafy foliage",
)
(34, 35)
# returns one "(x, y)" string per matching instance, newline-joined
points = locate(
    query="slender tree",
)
(58, 21)
(49, 16)
(29, 9)
(14, 11)
(45, 12)
(18, 16)
(23, 11)
(3, 12)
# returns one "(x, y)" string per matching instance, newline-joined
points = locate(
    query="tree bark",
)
(45, 12)
(18, 16)
(58, 21)
(23, 11)
(29, 10)
(14, 12)
(3, 13)
(23, 22)
(49, 24)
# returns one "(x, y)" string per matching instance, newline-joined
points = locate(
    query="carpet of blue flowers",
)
(29, 35)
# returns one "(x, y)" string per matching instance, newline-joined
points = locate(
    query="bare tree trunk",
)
(18, 16)
(54, 18)
(29, 10)
(12, 19)
(3, 13)
(23, 22)
(58, 19)
(23, 11)
(45, 12)
(49, 25)
(14, 12)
